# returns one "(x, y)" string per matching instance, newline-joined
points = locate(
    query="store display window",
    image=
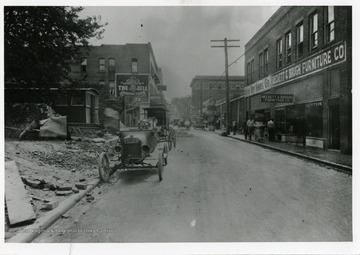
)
(314, 119)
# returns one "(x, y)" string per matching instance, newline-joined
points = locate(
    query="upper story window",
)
(134, 65)
(299, 40)
(101, 64)
(252, 71)
(248, 73)
(111, 64)
(288, 47)
(261, 65)
(83, 65)
(313, 30)
(266, 61)
(330, 24)
(279, 52)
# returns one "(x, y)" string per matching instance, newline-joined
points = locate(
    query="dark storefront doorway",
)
(334, 127)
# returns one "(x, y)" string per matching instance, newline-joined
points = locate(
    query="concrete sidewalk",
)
(327, 157)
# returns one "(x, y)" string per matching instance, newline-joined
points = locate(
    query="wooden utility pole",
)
(225, 41)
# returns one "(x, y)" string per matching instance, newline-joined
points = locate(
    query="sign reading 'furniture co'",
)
(333, 55)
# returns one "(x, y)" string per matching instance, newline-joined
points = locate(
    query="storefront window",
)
(295, 117)
(280, 124)
(314, 119)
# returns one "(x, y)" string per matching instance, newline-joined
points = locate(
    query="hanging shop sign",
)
(326, 58)
(132, 85)
(218, 84)
(277, 98)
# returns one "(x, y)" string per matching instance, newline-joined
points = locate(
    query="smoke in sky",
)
(180, 36)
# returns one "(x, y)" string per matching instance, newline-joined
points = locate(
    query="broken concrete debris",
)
(90, 199)
(63, 193)
(39, 199)
(81, 185)
(64, 188)
(33, 183)
(16, 197)
(98, 140)
(65, 216)
(51, 186)
(50, 205)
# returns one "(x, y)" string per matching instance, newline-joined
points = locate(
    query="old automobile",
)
(142, 147)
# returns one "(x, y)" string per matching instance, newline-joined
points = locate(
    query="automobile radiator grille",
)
(132, 150)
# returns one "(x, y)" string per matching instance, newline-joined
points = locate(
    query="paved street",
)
(216, 190)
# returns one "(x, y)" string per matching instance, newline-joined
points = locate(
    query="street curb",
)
(28, 234)
(342, 168)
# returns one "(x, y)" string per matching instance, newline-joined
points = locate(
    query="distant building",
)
(127, 71)
(299, 72)
(206, 90)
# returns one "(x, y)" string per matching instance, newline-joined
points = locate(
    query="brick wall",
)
(122, 54)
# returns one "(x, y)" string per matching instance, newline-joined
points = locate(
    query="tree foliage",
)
(41, 43)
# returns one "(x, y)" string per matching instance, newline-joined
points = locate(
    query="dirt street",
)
(216, 190)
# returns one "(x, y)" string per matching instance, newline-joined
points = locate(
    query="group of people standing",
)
(250, 125)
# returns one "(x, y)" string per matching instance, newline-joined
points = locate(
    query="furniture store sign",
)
(132, 85)
(334, 55)
(277, 98)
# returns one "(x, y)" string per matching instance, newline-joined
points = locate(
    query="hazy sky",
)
(180, 37)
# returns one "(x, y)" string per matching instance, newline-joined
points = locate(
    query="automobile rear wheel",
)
(104, 167)
(160, 166)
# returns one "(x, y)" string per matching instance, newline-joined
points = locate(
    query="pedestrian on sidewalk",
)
(234, 127)
(271, 129)
(245, 129)
(250, 126)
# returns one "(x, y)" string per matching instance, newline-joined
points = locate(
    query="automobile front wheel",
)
(104, 167)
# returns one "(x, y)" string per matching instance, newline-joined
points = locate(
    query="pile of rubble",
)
(55, 184)
(22, 118)
(65, 159)
(50, 171)
(27, 112)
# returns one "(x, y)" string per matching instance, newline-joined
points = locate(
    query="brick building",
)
(299, 72)
(127, 71)
(207, 90)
